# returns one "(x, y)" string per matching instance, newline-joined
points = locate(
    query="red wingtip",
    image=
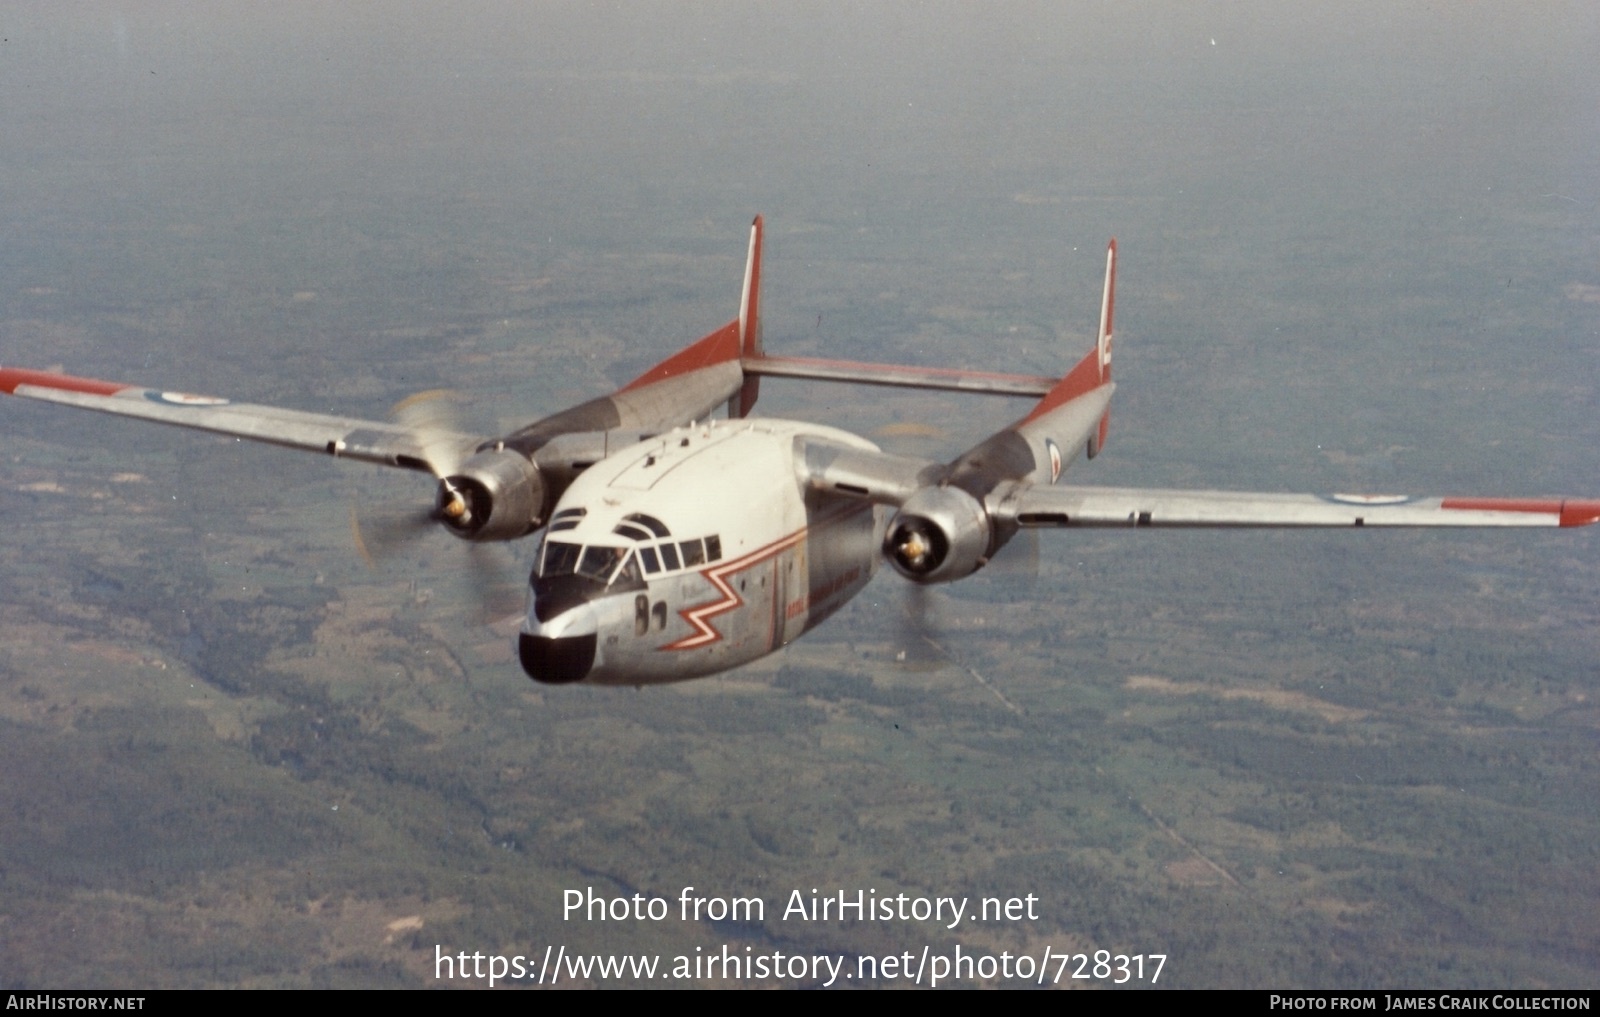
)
(1568, 511)
(1576, 512)
(11, 378)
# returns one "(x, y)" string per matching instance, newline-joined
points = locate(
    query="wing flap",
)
(1095, 506)
(347, 437)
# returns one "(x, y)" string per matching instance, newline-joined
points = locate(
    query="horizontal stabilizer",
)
(899, 376)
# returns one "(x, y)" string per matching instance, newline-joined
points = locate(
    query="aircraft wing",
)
(1112, 506)
(369, 441)
(856, 472)
(891, 480)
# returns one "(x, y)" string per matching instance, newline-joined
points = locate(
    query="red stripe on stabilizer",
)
(716, 348)
(1083, 378)
(11, 378)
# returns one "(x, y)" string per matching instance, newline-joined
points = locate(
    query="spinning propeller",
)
(381, 533)
(430, 417)
(915, 632)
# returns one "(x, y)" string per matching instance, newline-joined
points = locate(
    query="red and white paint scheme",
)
(678, 544)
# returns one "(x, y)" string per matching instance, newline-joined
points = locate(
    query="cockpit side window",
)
(669, 557)
(694, 553)
(629, 573)
(560, 558)
(600, 562)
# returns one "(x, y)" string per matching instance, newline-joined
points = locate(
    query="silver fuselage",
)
(696, 551)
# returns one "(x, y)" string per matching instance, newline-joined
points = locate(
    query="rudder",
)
(750, 324)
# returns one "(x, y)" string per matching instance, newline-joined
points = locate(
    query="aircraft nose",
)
(556, 660)
(558, 648)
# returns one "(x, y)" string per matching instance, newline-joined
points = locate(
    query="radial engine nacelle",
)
(495, 495)
(939, 534)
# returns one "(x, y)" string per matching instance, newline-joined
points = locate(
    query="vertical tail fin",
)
(1075, 415)
(1097, 441)
(724, 348)
(1094, 369)
(750, 324)
(1107, 304)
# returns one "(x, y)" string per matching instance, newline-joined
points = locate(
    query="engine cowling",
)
(939, 534)
(496, 495)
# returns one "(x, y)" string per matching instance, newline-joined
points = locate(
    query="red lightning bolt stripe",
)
(699, 616)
